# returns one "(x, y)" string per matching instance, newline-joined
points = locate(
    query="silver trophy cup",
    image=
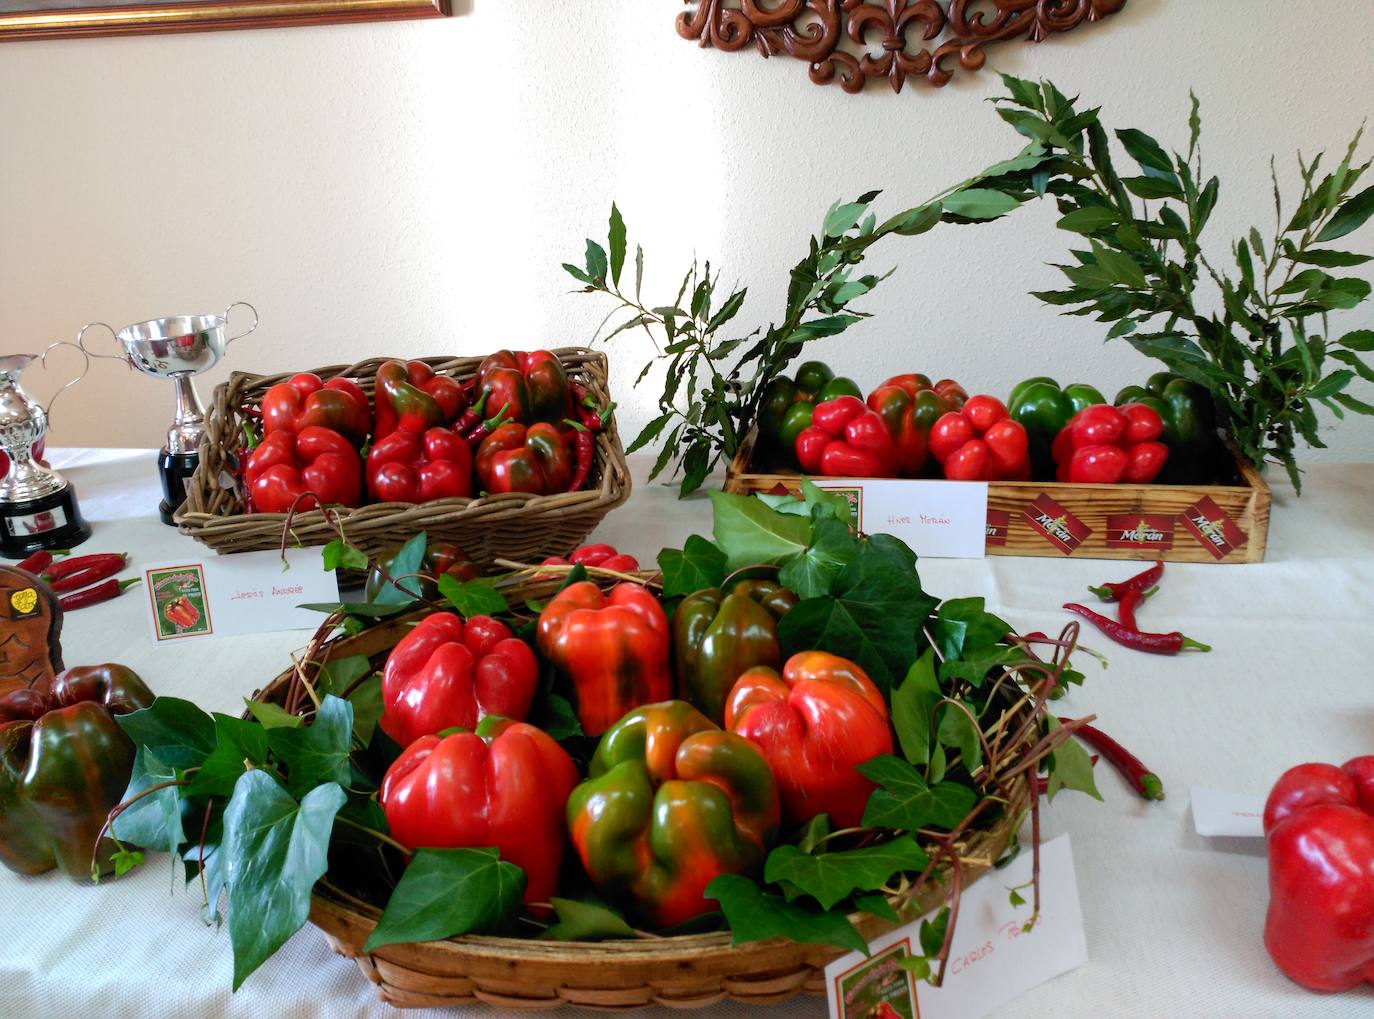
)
(38, 507)
(176, 348)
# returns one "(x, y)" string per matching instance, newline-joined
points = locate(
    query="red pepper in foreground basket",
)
(612, 649)
(814, 725)
(1319, 830)
(981, 443)
(411, 397)
(519, 458)
(306, 401)
(446, 673)
(505, 786)
(406, 467)
(285, 465)
(1104, 445)
(846, 440)
(604, 556)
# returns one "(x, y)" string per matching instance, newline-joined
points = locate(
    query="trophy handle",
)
(228, 310)
(85, 356)
(81, 342)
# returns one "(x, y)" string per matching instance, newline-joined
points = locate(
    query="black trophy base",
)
(174, 470)
(51, 522)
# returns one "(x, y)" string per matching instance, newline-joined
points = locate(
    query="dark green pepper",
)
(1196, 454)
(718, 636)
(1043, 408)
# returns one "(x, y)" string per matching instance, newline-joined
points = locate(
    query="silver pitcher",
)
(176, 348)
(38, 507)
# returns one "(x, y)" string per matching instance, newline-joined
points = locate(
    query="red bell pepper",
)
(533, 384)
(605, 556)
(506, 787)
(410, 396)
(981, 443)
(1104, 445)
(306, 401)
(612, 649)
(949, 391)
(521, 458)
(315, 460)
(447, 673)
(847, 440)
(1319, 830)
(407, 467)
(814, 725)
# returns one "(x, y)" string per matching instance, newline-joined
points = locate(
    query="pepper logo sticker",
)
(24, 602)
(180, 608)
(1140, 530)
(879, 987)
(1213, 527)
(1061, 528)
(999, 522)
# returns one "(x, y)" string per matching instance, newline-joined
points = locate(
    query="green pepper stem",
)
(1102, 592)
(1151, 787)
(1196, 645)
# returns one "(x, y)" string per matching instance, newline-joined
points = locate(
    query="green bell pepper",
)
(719, 636)
(1043, 408)
(1196, 453)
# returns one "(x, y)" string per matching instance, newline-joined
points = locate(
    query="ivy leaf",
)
(404, 585)
(154, 822)
(366, 700)
(877, 905)
(964, 624)
(180, 734)
(477, 597)
(616, 237)
(339, 555)
(447, 892)
(835, 504)
(276, 849)
(904, 800)
(812, 573)
(957, 730)
(979, 203)
(318, 752)
(1070, 766)
(236, 741)
(756, 915)
(932, 934)
(273, 716)
(913, 707)
(586, 921)
(813, 834)
(748, 532)
(698, 565)
(831, 877)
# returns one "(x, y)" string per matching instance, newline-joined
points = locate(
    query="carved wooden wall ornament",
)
(891, 39)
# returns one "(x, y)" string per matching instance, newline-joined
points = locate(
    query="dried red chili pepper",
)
(1115, 592)
(1155, 643)
(1142, 779)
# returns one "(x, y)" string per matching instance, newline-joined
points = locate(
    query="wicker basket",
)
(687, 971)
(511, 525)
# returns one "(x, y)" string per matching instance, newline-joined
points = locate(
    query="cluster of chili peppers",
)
(80, 580)
(1128, 594)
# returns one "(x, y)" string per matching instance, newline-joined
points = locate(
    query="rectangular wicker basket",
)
(512, 526)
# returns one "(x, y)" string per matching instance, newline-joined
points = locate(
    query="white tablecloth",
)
(1173, 920)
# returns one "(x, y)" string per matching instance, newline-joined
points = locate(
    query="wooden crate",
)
(1178, 523)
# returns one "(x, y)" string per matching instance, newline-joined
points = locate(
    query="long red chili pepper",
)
(111, 588)
(584, 445)
(471, 416)
(1130, 601)
(593, 419)
(1115, 592)
(488, 426)
(36, 563)
(1155, 643)
(1142, 779)
(83, 570)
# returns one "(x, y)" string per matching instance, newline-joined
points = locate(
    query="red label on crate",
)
(1140, 530)
(1064, 530)
(998, 523)
(1213, 527)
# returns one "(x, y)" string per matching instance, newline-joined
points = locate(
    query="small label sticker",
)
(1213, 527)
(179, 604)
(24, 602)
(878, 987)
(1222, 813)
(999, 522)
(938, 519)
(1140, 530)
(1061, 528)
(21, 526)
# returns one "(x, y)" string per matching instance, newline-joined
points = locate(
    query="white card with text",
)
(248, 592)
(992, 959)
(938, 519)
(1222, 813)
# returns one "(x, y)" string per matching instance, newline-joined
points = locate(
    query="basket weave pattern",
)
(511, 525)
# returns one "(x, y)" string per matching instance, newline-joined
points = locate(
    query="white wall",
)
(412, 188)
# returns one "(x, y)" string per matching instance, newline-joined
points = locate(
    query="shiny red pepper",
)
(981, 443)
(316, 460)
(1105, 445)
(1319, 830)
(307, 401)
(846, 439)
(814, 725)
(520, 458)
(505, 786)
(446, 673)
(410, 396)
(534, 384)
(407, 467)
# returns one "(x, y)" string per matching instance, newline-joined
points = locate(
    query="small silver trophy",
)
(176, 348)
(38, 507)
